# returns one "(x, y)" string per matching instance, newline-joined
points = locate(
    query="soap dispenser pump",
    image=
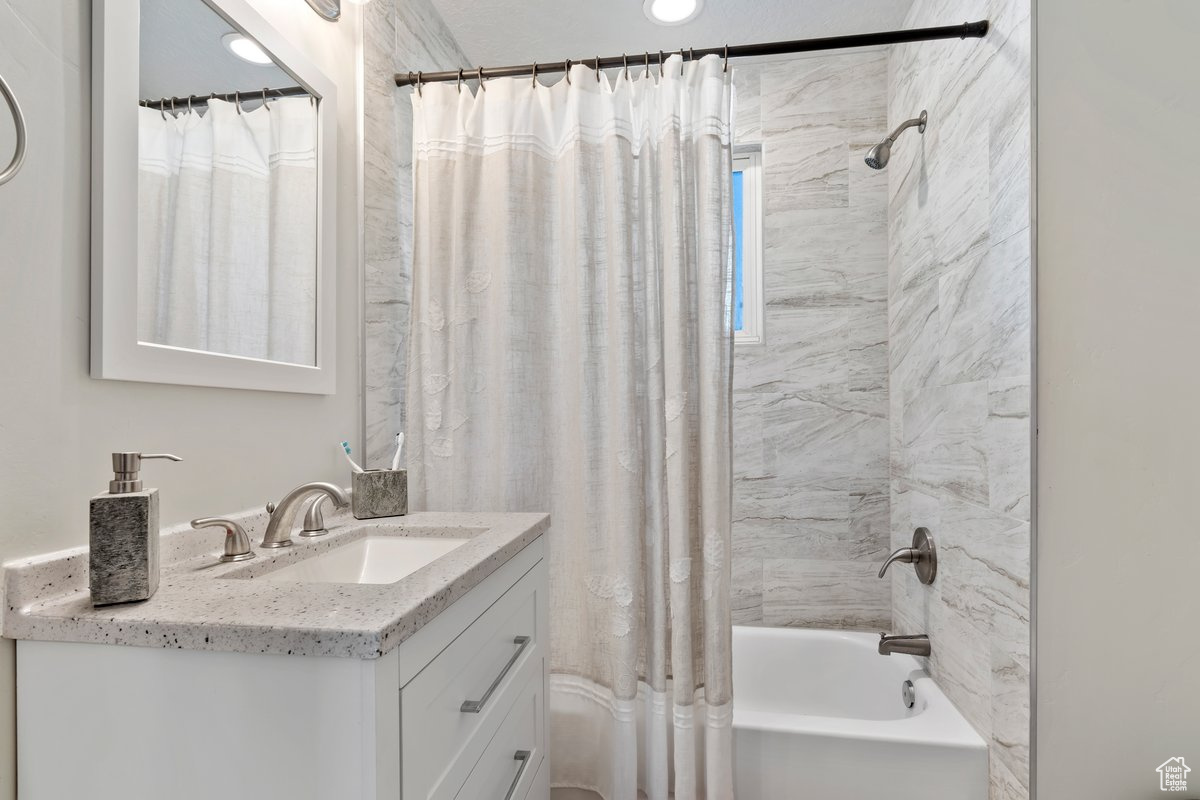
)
(123, 556)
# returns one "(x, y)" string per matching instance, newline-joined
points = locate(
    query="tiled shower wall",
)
(960, 309)
(398, 36)
(810, 403)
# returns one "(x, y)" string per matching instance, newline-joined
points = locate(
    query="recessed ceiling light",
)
(672, 12)
(245, 49)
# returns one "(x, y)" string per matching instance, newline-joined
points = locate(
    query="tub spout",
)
(915, 645)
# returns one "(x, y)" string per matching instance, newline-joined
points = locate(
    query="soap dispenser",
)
(123, 557)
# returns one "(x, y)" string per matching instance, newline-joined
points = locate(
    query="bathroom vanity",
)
(401, 658)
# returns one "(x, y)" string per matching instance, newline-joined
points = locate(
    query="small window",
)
(747, 247)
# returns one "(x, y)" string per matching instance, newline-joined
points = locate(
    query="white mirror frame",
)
(116, 352)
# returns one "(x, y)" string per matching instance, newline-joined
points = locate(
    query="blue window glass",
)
(738, 294)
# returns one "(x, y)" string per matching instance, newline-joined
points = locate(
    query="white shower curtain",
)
(227, 258)
(571, 352)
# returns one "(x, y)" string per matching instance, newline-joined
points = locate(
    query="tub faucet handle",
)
(922, 554)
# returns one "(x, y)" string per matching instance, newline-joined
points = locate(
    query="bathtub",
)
(819, 715)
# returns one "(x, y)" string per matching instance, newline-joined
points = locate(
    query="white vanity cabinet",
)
(456, 712)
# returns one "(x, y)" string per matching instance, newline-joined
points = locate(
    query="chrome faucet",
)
(915, 645)
(283, 516)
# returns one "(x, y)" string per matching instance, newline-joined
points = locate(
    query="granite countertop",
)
(202, 604)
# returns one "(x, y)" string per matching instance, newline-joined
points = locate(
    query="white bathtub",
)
(819, 715)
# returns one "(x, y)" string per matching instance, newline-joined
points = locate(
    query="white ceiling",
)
(182, 54)
(501, 32)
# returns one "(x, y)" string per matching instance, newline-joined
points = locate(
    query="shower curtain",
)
(227, 245)
(571, 352)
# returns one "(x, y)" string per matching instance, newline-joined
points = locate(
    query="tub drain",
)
(909, 693)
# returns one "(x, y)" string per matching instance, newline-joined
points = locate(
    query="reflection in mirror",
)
(227, 192)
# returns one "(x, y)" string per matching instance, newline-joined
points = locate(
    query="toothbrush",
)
(399, 451)
(346, 452)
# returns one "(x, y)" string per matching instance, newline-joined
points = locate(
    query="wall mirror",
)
(213, 254)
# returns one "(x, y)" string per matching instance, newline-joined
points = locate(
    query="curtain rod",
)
(197, 100)
(973, 30)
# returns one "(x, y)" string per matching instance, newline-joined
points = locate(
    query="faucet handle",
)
(237, 543)
(314, 519)
(922, 554)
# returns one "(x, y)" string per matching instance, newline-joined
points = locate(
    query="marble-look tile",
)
(771, 520)
(747, 438)
(807, 166)
(942, 441)
(824, 594)
(831, 442)
(870, 521)
(1010, 713)
(799, 87)
(811, 471)
(1007, 446)
(746, 591)
(1003, 784)
(423, 40)
(747, 126)
(961, 664)
(398, 36)
(959, 303)
(983, 312)
(984, 572)
(840, 265)
(867, 350)
(914, 329)
(804, 350)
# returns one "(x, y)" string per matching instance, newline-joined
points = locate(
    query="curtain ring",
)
(625, 61)
(172, 105)
(237, 102)
(597, 69)
(535, 74)
(162, 108)
(189, 104)
(661, 58)
(726, 69)
(460, 74)
(482, 88)
(268, 108)
(681, 62)
(647, 73)
(567, 69)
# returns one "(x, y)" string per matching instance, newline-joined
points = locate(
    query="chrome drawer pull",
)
(523, 757)
(475, 706)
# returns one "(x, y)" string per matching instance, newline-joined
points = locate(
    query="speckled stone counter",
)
(202, 604)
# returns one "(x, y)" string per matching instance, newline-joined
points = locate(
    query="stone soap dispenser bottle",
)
(123, 557)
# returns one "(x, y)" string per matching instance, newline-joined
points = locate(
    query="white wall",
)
(57, 425)
(1118, 255)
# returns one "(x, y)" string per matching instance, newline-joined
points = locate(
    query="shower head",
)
(881, 153)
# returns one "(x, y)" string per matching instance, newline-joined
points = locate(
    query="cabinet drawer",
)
(508, 768)
(454, 706)
(539, 789)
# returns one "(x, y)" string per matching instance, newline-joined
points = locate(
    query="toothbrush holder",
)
(379, 493)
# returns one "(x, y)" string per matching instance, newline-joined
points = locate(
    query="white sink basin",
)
(375, 559)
